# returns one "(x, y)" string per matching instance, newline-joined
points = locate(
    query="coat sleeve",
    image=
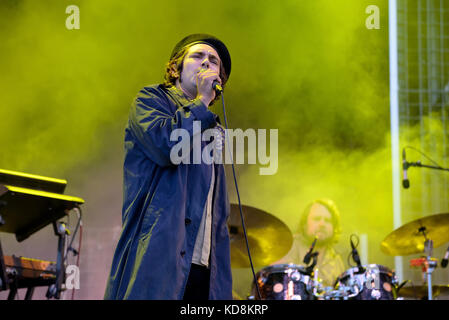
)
(152, 123)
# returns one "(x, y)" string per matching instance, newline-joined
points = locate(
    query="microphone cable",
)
(353, 248)
(77, 253)
(238, 197)
(422, 153)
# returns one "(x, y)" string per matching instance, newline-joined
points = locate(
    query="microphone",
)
(405, 182)
(217, 87)
(308, 255)
(215, 84)
(355, 254)
(445, 259)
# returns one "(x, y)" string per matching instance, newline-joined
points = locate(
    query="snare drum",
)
(283, 282)
(371, 282)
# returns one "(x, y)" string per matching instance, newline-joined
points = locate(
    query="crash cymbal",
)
(420, 292)
(269, 238)
(409, 239)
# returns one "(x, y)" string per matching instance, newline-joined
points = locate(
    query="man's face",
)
(319, 223)
(199, 57)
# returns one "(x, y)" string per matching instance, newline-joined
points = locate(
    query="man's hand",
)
(204, 83)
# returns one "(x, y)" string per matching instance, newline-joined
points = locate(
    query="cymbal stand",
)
(430, 264)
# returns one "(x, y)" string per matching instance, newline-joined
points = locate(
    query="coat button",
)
(188, 221)
(182, 253)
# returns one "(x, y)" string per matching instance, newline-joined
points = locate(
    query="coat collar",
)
(179, 96)
(182, 100)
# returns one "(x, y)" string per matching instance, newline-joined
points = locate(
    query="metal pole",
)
(394, 124)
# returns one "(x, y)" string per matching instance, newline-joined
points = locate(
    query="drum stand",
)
(429, 264)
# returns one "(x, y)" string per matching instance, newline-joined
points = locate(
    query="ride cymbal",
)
(409, 238)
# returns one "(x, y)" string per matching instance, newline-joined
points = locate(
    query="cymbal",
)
(269, 238)
(408, 239)
(420, 292)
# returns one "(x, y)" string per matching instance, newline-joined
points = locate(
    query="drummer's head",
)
(321, 219)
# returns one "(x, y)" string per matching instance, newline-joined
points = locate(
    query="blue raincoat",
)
(163, 204)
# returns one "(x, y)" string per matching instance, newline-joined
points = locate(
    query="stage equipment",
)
(29, 203)
(419, 236)
(268, 237)
(283, 282)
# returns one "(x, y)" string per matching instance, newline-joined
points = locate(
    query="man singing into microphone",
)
(174, 242)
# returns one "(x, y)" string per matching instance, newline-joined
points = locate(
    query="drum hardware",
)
(283, 282)
(361, 282)
(351, 288)
(342, 293)
(317, 286)
(329, 293)
(419, 236)
(429, 263)
(370, 282)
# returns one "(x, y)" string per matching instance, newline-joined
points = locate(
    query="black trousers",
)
(197, 287)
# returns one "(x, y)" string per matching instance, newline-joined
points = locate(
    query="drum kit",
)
(270, 239)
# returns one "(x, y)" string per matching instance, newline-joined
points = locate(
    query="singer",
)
(174, 242)
(320, 220)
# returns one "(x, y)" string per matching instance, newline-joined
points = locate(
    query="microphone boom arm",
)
(419, 164)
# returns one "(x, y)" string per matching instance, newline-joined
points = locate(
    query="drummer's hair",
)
(329, 205)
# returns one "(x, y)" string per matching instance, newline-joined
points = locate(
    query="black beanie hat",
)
(211, 41)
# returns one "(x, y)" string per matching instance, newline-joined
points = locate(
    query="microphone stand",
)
(311, 255)
(430, 264)
(314, 256)
(419, 164)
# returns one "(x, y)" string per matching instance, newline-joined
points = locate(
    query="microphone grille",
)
(406, 183)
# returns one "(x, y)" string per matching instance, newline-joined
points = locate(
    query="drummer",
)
(320, 219)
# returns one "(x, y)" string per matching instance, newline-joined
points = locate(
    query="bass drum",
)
(370, 282)
(283, 282)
